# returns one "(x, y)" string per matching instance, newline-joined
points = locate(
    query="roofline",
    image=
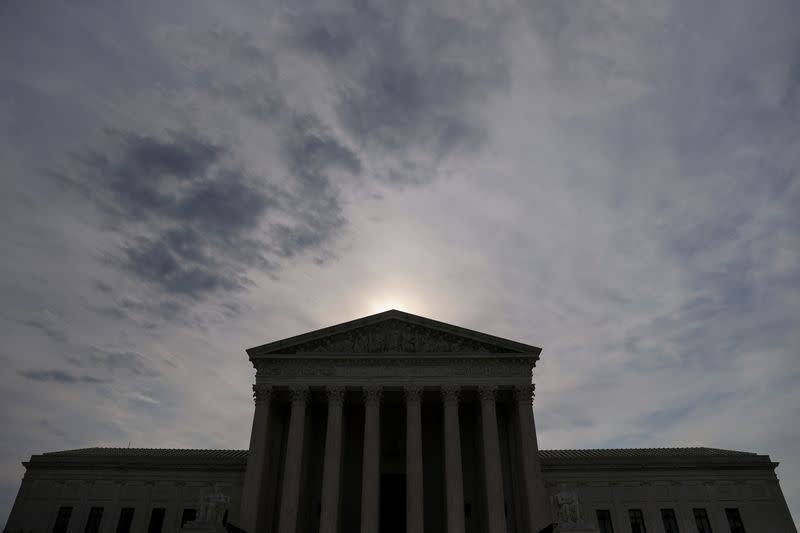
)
(744, 462)
(56, 461)
(100, 462)
(387, 315)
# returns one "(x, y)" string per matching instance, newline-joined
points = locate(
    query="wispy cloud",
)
(58, 376)
(615, 181)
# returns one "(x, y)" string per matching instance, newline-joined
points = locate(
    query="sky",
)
(615, 181)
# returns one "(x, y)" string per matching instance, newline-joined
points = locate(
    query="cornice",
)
(548, 465)
(755, 462)
(135, 464)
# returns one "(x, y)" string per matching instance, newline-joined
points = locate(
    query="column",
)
(371, 471)
(414, 492)
(331, 470)
(255, 476)
(452, 460)
(294, 456)
(537, 514)
(495, 500)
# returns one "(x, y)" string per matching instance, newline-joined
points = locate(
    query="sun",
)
(385, 304)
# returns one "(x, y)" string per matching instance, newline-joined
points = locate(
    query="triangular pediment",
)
(394, 332)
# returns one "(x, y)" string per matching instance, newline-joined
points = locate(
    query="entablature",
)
(398, 370)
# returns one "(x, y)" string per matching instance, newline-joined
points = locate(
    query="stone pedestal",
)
(203, 527)
(568, 528)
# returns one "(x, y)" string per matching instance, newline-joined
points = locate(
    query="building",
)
(394, 423)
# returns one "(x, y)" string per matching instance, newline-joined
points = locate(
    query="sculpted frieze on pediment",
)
(396, 336)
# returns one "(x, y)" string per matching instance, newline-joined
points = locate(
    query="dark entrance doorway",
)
(393, 503)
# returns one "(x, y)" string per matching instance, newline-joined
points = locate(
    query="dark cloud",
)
(58, 376)
(188, 215)
(193, 222)
(114, 361)
(413, 80)
(171, 262)
(46, 326)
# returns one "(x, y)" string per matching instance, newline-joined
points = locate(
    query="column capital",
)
(412, 393)
(451, 393)
(487, 392)
(261, 393)
(299, 393)
(372, 394)
(525, 393)
(335, 394)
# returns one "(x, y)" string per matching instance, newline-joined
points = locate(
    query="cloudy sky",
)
(615, 181)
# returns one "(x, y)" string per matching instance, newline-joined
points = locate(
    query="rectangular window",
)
(670, 522)
(701, 519)
(734, 520)
(93, 522)
(637, 521)
(604, 521)
(125, 520)
(156, 520)
(62, 520)
(188, 515)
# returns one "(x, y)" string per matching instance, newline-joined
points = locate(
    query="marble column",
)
(495, 499)
(290, 498)
(331, 470)
(452, 460)
(535, 498)
(255, 476)
(414, 492)
(371, 470)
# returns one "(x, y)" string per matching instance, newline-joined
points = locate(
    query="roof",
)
(693, 457)
(190, 453)
(393, 331)
(141, 458)
(609, 453)
(184, 453)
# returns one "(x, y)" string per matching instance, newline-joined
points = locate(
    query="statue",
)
(210, 512)
(567, 510)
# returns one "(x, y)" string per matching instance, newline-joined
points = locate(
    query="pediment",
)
(394, 332)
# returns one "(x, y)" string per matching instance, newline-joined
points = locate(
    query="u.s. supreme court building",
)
(398, 423)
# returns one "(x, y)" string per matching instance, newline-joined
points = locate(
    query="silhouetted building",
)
(395, 423)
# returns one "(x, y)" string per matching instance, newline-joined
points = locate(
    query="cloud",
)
(614, 181)
(58, 376)
(113, 361)
(194, 222)
(46, 323)
(411, 80)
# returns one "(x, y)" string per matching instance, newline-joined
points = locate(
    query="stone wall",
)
(755, 493)
(43, 492)
(646, 484)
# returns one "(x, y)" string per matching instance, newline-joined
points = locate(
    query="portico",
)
(393, 422)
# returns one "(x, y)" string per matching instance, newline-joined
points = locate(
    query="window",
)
(670, 522)
(156, 520)
(734, 520)
(188, 515)
(125, 520)
(62, 520)
(604, 521)
(701, 519)
(637, 521)
(93, 522)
